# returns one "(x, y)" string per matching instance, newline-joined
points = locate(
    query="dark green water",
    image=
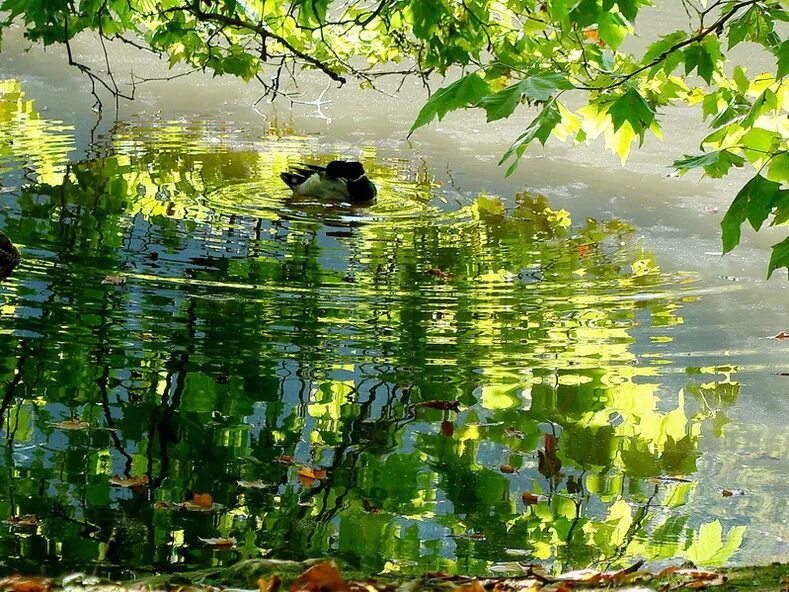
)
(246, 341)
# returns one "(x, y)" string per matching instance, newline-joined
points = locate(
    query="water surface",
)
(453, 378)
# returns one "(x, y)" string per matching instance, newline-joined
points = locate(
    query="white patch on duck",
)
(322, 187)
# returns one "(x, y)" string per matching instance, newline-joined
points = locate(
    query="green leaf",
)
(698, 58)
(716, 164)
(540, 128)
(632, 107)
(461, 93)
(779, 257)
(662, 45)
(782, 53)
(612, 29)
(540, 87)
(754, 203)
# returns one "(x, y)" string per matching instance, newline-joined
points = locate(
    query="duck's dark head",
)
(362, 189)
(345, 169)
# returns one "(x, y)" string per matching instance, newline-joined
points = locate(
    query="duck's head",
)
(345, 169)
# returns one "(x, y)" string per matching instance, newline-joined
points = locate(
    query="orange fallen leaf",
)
(324, 577)
(440, 405)
(529, 498)
(308, 476)
(200, 502)
(30, 520)
(219, 542)
(271, 584)
(25, 584)
(507, 469)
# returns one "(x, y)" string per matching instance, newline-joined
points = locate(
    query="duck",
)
(9, 256)
(339, 180)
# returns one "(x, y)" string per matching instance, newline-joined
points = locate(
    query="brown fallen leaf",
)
(24, 584)
(286, 459)
(514, 432)
(324, 577)
(474, 586)
(440, 405)
(271, 584)
(71, 424)
(254, 484)
(308, 476)
(447, 429)
(133, 482)
(439, 273)
(28, 521)
(219, 542)
(731, 492)
(509, 469)
(697, 574)
(529, 498)
(114, 280)
(162, 505)
(475, 536)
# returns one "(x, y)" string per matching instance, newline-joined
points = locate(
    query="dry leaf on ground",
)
(324, 577)
(24, 584)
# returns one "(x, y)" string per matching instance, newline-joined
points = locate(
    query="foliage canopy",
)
(513, 52)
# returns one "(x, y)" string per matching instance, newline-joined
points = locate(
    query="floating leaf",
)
(72, 424)
(254, 484)
(439, 273)
(441, 405)
(201, 502)
(27, 521)
(286, 459)
(509, 469)
(447, 429)
(219, 542)
(308, 476)
(130, 482)
(114, 280)
(529, 498)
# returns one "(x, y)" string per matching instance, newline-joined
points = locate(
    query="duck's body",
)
(339, 180)
(9, 255)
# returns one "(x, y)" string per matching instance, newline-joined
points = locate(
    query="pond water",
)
(472, 373)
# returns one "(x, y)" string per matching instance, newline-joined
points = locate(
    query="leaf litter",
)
(325, 576)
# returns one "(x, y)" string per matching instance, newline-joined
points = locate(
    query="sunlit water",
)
(443, 380)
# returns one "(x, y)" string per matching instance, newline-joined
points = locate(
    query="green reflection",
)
(292, 345)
